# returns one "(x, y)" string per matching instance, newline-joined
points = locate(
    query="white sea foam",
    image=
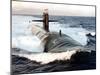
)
(30, 43)
(22, 36)
(78, 34)
(93, 33)
(45, 58)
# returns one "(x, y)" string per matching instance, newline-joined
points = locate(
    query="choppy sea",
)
(80, 28)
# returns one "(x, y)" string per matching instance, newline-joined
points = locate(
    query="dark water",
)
(88, 23)
(78, 61)
(84, 22)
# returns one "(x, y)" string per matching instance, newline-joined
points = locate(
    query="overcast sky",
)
(31, 8)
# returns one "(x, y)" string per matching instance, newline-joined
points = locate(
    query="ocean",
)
(80, 28)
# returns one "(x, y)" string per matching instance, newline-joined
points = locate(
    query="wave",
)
(29, 43)
(91, 34)
(72, 32)
(53, 62)
(45, 58)
(26, 47)
(91, 40)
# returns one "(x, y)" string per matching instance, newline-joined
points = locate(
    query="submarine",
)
(54, 41)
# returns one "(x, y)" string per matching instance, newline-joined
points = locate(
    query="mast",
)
(46, 20)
